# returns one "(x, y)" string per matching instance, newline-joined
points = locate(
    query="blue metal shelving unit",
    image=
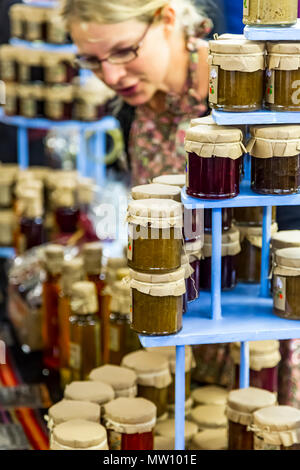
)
(271, 33)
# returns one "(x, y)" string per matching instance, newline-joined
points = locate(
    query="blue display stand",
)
(272, 33)
(263, 117)
(39, 45)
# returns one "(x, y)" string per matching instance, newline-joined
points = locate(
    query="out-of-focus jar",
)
(11, 106)
(7, 227)
(112, 266)
(241, 405)
(169, 352)
(209, 417)
(264, 360)
(286, 283)
(157, 302)
(191, 265)
(227, 216)
(17, 21)
(270, 13)
(277, 428)
(210, 395)
(275, 159)
(210, 439)
(30, 66)
(59, 68)
(122, 379)
(173, 180)
(66, 410)
(230, 249)
(91, 100)
(236, 80)
(59, 102)
(249, 259)
(155, 233)
(167, 429)
(56, 32)
(35, 23)
(8, 64)
(164, 443)
(7, 180)
(283, 72)
(86, 390)
(153, 377)
(129, 423)
(85, 194)
(79, 434)
(251, 215)
(32, 100)
(285, 239)
(65, 205)
(156, 191)
(213, 161)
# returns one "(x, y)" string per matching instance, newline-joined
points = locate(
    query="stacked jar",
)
(286, 283)
(268, 13)
(121, 379)
(7, 216)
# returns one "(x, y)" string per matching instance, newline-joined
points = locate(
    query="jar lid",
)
(95, 392)
(286, 239)
(84, 298)
(65, 410)
(80, 434)
(56, 57)
(278, 425)
(118, 377)
(54, 257)
(239, 55)
(86, 191)
(31, 91)
(40, 172)
(130, 415)
(92, 255)
(236, 45)
(31, 204)
(274, 141)
(288, 258)
(203, 121)
(283, 47)
(62, 93)
(210, 439)
(176, 275)
(173, 180)
(243, 402)
(167, 429)
(209, 416)
(155, 208)
(152, 369)
(170, 353)
(166, 289)
(230, 243)
(156, 191)
(255, 234)
(210, 395)
(94, 91)
(263, 354)
(31, 57)
(34, 14)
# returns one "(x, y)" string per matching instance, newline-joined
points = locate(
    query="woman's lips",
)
(128, 91)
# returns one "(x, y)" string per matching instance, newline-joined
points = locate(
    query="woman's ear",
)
(168, 17)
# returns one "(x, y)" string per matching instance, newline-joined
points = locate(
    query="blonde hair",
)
(117, 11)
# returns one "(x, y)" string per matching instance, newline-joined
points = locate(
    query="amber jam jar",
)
(275, 159)
(7, 227)
(112, 267)
(286, 282)
(55, 30)
(166, 429)
(30, 66)
(17, 20)
(169, 352)
(35, 23)
(12, 102)
(122, 379)
(210, 395)
(268, 12)
(276, 428)
(155, 233)
(249, 259)
(209, 417)
(213, 161)
(157, 302)
(264, 360)
(236, 81)
(230, 249)
(241, 405)
(211, 439)
(130, 423)
(79, 434)
(251, 216)
(153, 377)
(282, 74)
(86, 390)
(59, 68)
(59, 102)
(8, 63)
(32, 100)
(156, 191)
(122, 339)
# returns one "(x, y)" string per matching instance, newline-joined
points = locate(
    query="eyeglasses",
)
(123, 56)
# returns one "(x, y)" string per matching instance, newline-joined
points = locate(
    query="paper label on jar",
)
(246, 7)
(28, 107)
(114, 440)
(259, 444)
(279, 292)
(213, 84)
(270, 86)
(75, 356)
(114, 339)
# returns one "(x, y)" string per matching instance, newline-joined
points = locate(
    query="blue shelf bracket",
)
(265, 253)
(244, 365)
(180, 398)
(216, 262)
(23, 150)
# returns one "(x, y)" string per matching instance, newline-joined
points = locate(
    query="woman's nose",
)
(111, 74)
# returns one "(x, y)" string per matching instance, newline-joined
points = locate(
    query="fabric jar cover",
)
(244, 402)
(122, 379)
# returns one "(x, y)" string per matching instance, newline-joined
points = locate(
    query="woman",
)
(151, 53)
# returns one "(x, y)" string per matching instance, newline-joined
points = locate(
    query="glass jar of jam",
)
(230, 249)
(35, 23)
(286, 282)
(79, 434)
(12, 104)
(130, 423)
(249, 259)
(236, 80)
(155, 233)
(31, 225)
(153, 377)
(213, 161)
(30, 66)
(251, 215)
(121, 379)
(91, 100)
(8, 63)
(173, 180)
(157, 302)
(17, 20)
(167, 429)
(86, 390)
(169, 352)
(227, 216)
(65, 206)
(59, 102)
(210, 439)
(7, 227)
(275, 159)
(209, 417)
(210, 395)
(276, 428)
(268, 12)
(156, 191)
(59, 68)
(66, 410)
(32, 100)
(241, 406)
(122, 339)
(264, 360)
(283, 72)
(56, 32)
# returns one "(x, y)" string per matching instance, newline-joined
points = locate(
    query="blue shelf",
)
(245, 317)
(7, 252)
(273, 33)
(43, 46)
(246, 198)
(41, 3)
(263, 117)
